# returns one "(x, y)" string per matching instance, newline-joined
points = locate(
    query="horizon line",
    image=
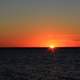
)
(40, 47)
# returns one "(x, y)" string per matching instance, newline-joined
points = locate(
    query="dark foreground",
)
(39, 64)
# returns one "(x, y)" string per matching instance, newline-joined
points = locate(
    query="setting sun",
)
(51, 46)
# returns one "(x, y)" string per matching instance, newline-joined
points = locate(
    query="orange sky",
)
(42, 40)
(40, 23)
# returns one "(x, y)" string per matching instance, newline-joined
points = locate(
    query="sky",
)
(39, 23)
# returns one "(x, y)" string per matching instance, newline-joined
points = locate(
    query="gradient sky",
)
(32, 23)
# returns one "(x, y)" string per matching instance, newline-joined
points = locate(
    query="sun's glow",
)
(51, 46)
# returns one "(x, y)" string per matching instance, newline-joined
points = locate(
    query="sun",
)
(51, 46)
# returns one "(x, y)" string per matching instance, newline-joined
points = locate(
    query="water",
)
(39, 64)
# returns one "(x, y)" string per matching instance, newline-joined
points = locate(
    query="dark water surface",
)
(39, 64)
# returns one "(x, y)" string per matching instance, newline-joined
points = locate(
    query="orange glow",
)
(42, 40)
(52, 46)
